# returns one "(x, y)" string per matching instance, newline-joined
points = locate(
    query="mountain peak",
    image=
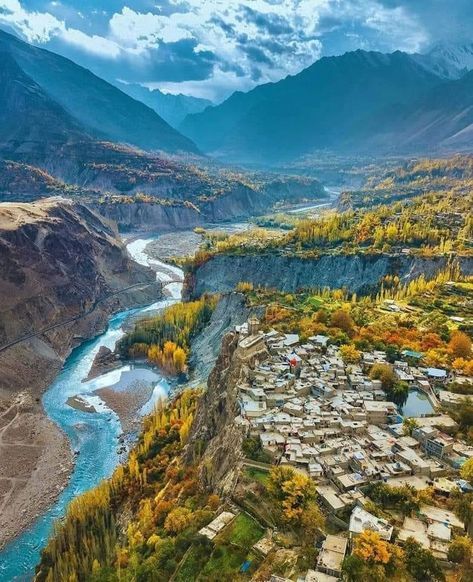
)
(448, 60)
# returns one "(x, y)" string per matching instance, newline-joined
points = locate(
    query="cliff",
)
(238, 203)
(63, 271)
(231, 310)
(357, 273)
(60, 262)
(214, 426)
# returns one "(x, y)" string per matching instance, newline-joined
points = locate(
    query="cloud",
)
(213, 47)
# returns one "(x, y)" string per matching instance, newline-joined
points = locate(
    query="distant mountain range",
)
(172, 108)
(358, 103)
(55, 94)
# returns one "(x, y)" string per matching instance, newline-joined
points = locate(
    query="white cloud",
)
(254, 41)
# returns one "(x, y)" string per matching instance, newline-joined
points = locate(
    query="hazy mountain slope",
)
(442, 119)
(29, 119)
(172, 108)
(92, 101)
(316, 109)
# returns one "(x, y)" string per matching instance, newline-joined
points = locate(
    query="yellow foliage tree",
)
(371, 548)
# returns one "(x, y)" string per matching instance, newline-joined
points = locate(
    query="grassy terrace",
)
(232, 549)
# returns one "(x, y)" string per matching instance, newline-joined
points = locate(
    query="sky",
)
(210, 48)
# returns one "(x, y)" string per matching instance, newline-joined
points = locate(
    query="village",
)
(333, 422)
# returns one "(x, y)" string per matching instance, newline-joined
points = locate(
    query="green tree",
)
(460, 550)
(421, 563)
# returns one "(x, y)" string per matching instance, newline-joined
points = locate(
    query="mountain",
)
(172, 108)
(448, 60)
(29, 119)
(441, 120)
(317, 109)
(93, 103)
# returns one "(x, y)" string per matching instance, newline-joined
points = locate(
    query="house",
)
(439, 446)
(436, 514)
(216, 526)
(332, 555)
(361, 520)
(377, 412)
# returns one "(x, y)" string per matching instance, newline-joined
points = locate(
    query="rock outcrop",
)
(215, 427)
(231, 310)
(357, 273)
(64, 271)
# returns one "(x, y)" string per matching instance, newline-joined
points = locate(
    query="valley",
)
(236, 294)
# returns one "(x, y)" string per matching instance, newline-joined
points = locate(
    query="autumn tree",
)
(385, 373)
(293, 490)
(178, 520)
(467, 471)
(460, 345)
(343, 320)
(312, 522)
(350, 355)
(371, 548)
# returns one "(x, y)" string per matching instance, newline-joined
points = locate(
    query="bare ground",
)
(36, 462)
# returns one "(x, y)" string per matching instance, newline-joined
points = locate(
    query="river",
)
(94, 437)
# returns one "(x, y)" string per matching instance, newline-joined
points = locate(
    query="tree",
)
(179, 360)
(467, 471)
(177, 520)
(343, 320)
(312, 521)
(371, 548)
(294, 491)
(350, 355)
(460, 550)
(385, 373)
(353, 569)
(460, 345)
(421, 563)
(408, 426)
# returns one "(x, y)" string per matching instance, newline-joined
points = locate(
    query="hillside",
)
(441, 119)
(322, 107)
(92, 102)
(30, 121)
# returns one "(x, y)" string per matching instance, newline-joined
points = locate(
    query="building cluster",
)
(331, 420)
(311, 410)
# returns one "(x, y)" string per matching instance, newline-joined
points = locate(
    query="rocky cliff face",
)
(240, 203)
(357, 273)
(60, 262)
(214, 426)
(231, 310)
(150, 217)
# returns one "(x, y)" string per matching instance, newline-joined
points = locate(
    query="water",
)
(95, 435)
(417, 404)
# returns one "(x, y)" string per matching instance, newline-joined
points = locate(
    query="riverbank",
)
(37, 462)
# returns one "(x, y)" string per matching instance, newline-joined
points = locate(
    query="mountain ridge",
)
(315, 109)
(93, 102)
